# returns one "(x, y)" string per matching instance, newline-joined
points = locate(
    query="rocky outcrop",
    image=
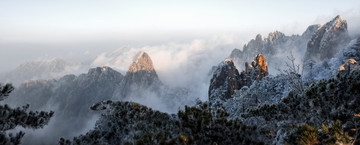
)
(311, 30)
(348, 66)
(353, 51)
(327, 40)
(226, 78)
(257, 70)
(275, 43)
(330, 67)
(259, 67)
(225, 81)
(140, 76)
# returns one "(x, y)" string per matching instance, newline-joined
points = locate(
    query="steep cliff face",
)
(140, 76)
(310, 31)
(225, 81)
(328, 68)
(327, 40)
(226, 78)
(257, 70)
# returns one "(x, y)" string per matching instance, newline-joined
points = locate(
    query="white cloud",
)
(177, 64)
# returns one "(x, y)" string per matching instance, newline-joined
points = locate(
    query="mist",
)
(183, 57)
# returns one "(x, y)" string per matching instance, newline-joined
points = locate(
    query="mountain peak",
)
(327, 40)
(224, 82)
(258, 37)
(338, 24)
(310, 30)
(140, 76)
(141, 62)
(228, 61)
(338, 17)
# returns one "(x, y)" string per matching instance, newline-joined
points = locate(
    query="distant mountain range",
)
(247, 103)
(71, 96)
(292, 107)
(39, 70)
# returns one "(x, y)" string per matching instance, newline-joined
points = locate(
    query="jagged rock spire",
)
(141, 62)
(140, 76)
(226, 78)
(224, 82)
(260, 66)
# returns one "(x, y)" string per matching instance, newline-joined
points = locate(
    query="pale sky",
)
(57, 21)
(108, 24)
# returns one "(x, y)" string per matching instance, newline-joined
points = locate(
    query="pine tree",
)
(20, 116)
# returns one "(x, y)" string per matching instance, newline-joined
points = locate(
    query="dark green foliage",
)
(311, 135)
(20, 116)
(323, 102)
(138, 124)
(304, 135)
(329, 97)
(5, 91)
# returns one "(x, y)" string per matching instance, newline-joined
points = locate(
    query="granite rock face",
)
(311, 30)
(259, 67)
(226, 78)
(276, 46)
(140, 76)
(327, 40)
(225, 81)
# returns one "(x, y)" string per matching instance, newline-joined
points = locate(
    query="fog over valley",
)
(167, 72)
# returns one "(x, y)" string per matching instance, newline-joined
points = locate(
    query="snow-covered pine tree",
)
(20, 116)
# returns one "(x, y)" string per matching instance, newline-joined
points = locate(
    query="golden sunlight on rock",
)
(141, 62)
(348, 64)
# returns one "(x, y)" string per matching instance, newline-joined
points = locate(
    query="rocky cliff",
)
(226, 78)
(140, 76)
(327, 40)
(276, 46)
(225, 81)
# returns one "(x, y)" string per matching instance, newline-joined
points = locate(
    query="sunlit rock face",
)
(225, 81)
(140, 76)
(348, 66)
(257, 70)
(327, 40)
(141, 62)
(259, 67)
(226, 78)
